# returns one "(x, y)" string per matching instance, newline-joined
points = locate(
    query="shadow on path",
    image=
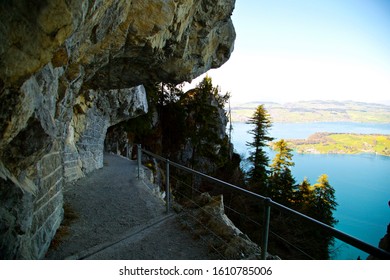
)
(120, 218)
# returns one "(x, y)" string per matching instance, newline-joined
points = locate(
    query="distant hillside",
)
(317, 111)
(342, 143)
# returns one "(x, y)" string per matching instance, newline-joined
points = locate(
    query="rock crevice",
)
(69, 69)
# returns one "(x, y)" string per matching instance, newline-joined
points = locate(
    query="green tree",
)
(281, 181)
(283, 158)
(171, 118)
(304, 197)
(258, 173)
(321, 204)
(324, 201)
(204, 107)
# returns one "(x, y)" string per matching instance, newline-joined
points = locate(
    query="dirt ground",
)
(110, 214)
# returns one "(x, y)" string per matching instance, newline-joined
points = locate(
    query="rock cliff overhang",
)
(71, 68)
(117, 43)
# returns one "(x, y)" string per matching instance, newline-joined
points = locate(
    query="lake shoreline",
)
(342, 143)
(316, 111)
(315, 152)
(359, 179)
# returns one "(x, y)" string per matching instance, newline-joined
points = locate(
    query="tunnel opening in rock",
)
(56, 110)
(120, 142)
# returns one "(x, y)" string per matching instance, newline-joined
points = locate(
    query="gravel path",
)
(118, 217)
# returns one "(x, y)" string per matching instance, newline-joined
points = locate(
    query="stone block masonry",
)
(48, 211)
(63, 149)
(71, 69)
(94, 112)
(29, 221)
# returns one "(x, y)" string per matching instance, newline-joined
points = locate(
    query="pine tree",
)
(304, 197)
(171, 118)
(204, 105)
(322, 204)
(283, 158)
(324, 201)
(281, 181)
(257, 174)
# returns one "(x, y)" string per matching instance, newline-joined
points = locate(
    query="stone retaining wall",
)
(71, 69)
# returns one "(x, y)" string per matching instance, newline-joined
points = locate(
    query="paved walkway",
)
(120, 218)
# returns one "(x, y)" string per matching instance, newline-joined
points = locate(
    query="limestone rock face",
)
(93, 113)
(69, 69)
(117, 43)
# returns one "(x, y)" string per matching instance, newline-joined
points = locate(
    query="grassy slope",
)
(340, 143)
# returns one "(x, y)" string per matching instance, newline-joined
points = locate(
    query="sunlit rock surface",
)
(71, 69)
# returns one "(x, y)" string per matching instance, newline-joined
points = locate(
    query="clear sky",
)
(291, 50)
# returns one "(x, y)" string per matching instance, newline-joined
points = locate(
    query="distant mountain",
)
(316, 111)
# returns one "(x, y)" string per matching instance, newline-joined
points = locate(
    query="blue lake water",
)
(362, 182)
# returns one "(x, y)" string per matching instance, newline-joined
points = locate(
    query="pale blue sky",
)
(290, 50)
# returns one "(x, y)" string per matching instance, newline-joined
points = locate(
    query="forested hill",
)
(316, 111)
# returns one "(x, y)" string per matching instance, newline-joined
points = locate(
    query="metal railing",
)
(268, 203)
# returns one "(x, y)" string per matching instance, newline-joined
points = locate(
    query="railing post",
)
(139, 155)
(267, 213)
(167, 191)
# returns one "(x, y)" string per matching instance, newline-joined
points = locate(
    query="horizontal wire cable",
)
(234, 211)
(351, 240)
(292, 245)
(205, 226)
(203, 238)
(241, 215)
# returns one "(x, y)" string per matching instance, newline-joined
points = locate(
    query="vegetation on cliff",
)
(190, 128)
(186, 127)
(69, 70)
(257, 173)
(317, 201)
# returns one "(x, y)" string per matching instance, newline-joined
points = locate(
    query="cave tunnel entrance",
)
(119, 141)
